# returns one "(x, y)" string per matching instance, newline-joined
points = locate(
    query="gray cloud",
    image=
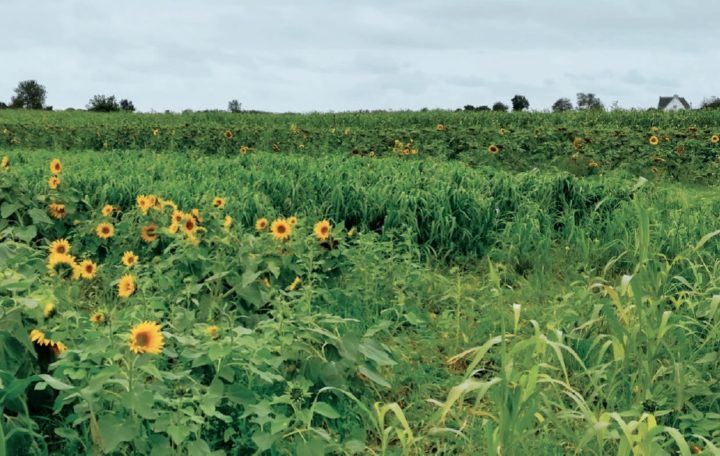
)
(342, 55)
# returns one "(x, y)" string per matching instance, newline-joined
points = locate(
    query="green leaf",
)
(39, 216)
(114, 431)
(54, 383)
(326, 410)
(25, 233)
(374, 351)
(374, 376)
(7, 209)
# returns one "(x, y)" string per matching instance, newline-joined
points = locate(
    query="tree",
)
(234, 106)
(482, 108)
(710, 103)
(562, 105)
(3, 105)
(589, 101)
(500, 106)
(29, 95)
(101, 103)
(519, 103)
(127, 105)
(469, 107)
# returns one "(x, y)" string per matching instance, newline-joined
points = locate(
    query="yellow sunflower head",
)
(502, 131)
(196, 213)
(129, 259)
(261, 224)
(107, 210)
(218, 202)
(126, 286)
(189, 225)
(440, 127)
(654, 140)
(87, 269)
(281, 229)
(148, 233)
(61, 264)
(227, 223)
(292, 220)
(5, 163)
(156, 132)
(60, 246)
(49, 310)
(228, 134)
(55, 166)
(244, 149)
(39, 338)
(213, 331)
(322, 230)
(97, 318)
(57, 211)
(105, 230)
(146, 338)
(53, 182)
(715, 139)
(493, 149)
(177, 216)
(295, 283)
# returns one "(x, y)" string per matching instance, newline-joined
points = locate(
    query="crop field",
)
(405, 283)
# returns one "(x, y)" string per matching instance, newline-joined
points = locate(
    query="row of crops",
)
(684, 146)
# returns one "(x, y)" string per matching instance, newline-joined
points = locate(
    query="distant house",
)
(673, 103)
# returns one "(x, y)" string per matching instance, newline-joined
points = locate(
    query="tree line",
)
(32, 95)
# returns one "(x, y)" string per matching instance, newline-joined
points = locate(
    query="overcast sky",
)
(321, 55)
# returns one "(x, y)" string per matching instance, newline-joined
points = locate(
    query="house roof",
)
(664, 101)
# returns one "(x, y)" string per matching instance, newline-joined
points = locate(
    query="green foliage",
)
(29, 95)
(458, 307)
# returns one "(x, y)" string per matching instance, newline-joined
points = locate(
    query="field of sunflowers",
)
(368, 283)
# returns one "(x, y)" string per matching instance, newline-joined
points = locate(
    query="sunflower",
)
(146, 338)
(577, 143)
(493, 149)
(145, 202)
(173, 228)
(261, 224)
(57, 210)
(87, 269)
(244, 149)
(177, 216)
(292, 220)
(105, 230)
(126, 286)
(148, 233)
(654, 140)
(53, 182)
(196, 213)
(322, 230)
(295, 283)
(228, 134)
(440, 127)
(266, 282)
(97, 318)
(49, 310)
(61, 264)
(167, 203)
(715, 139)
(502, 131)
(107, 210)
(218, 202)
(227, 223)
(5, 163)
(189, 225)
(129, 259)
(212, 331)
(60, 246)
(155, 131)
(55, 166)
(281, 229)
(39, 338)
